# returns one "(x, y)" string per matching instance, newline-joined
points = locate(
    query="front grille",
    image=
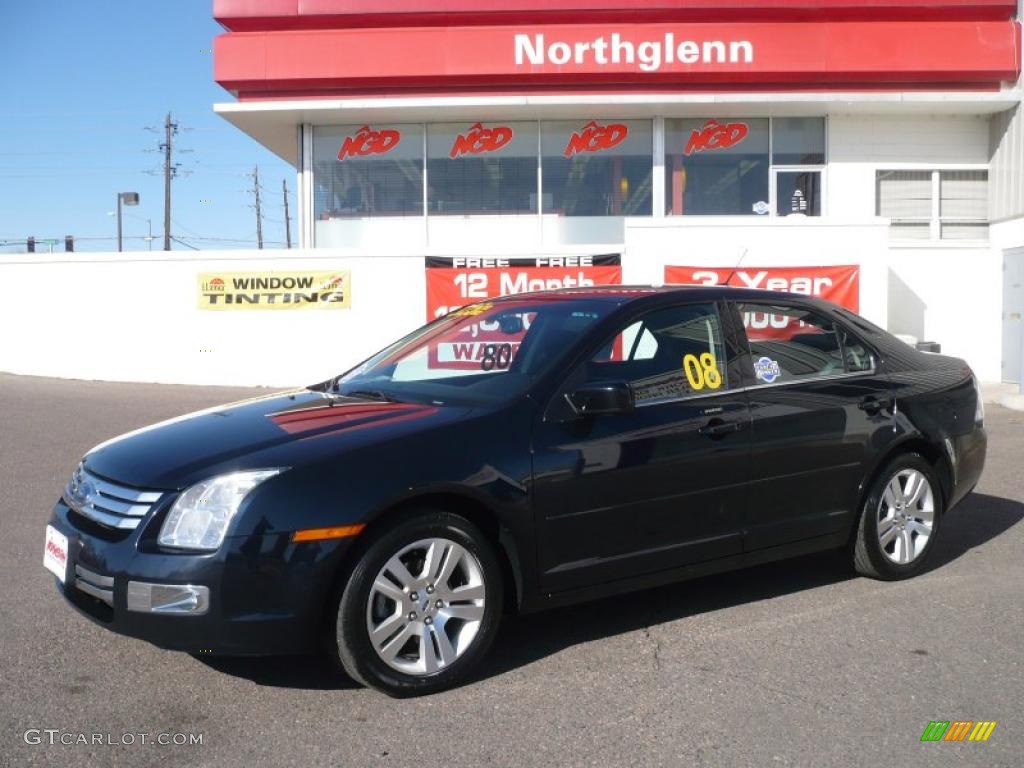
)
(110, 505)
(94, 584)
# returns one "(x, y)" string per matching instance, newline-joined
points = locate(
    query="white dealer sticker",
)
(767, 370)
(55, 553)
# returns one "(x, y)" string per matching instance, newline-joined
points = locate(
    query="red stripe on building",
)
(242, 15)
(514, 57)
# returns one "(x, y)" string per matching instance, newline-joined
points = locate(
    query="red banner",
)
(838, 284)
(455, 282)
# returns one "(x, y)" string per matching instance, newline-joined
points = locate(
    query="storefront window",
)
(597, 168)
(798, 193)
(367, 171)
(798, 141)
(484, 168)
(717, 167)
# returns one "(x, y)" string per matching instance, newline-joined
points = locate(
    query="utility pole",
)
(259, 214)
(287, 220)
(170, 129)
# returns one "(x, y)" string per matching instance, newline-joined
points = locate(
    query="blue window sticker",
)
(767, 370)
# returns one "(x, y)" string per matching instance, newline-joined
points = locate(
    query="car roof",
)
(623, 294)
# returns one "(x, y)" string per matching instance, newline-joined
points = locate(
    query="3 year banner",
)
(838, 284)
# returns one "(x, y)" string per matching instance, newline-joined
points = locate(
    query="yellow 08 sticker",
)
(702, 372)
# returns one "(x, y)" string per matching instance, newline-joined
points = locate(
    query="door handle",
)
(719, 428)
(872, 405)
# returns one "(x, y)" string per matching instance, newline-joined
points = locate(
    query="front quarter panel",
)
(483, 456)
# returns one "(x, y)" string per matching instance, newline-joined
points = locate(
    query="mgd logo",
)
(716, 135)
(596, 138)
(369, 142)
(479, 140)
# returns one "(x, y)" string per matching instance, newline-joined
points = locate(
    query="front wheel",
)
(899, 520)
(421, 607)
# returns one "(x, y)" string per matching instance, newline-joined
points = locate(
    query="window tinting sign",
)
(367, 141)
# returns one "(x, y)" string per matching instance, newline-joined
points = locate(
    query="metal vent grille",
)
(106, 503)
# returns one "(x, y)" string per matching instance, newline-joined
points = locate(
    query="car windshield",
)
(481, 353)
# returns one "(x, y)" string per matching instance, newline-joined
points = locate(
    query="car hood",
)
(173, 453)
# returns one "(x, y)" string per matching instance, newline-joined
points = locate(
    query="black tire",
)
(869, 558)
(352, 647)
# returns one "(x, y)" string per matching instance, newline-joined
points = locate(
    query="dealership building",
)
(882, 134)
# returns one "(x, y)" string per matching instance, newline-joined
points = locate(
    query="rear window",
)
(791, 343)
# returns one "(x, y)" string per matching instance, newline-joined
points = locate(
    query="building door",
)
(1013, 313)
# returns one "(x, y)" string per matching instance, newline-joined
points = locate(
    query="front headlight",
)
(201, 515)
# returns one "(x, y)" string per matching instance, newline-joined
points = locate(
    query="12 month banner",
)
(291, 290)
(838, 284)
(453, 282)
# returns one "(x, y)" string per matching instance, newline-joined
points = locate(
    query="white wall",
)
(945, 292)
(134, 317)
(859, 145)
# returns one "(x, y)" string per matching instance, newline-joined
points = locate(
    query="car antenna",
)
(738, 263)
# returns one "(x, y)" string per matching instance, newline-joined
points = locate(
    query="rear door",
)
(623, 494)
(818, 402)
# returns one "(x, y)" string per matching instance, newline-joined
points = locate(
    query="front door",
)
(623, 494)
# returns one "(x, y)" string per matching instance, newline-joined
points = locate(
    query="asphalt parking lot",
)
(795, 663)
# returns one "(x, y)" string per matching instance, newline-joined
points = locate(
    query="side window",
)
(668, 353)
(791, 343)
(857, 356)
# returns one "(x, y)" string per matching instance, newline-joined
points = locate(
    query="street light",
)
(126, 198)
(149, 227)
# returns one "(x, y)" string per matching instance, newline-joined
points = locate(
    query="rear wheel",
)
(421, 607)
(899, 520)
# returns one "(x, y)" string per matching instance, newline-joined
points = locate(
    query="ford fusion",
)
(519, 454)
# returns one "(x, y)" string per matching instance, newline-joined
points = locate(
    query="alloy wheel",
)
(906, 516)
(425, 606)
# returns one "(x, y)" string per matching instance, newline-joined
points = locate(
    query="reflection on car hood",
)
(162, 455)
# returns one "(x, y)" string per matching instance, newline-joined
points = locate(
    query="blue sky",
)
(80, 83)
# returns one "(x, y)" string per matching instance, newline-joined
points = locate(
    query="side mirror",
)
(613, 397)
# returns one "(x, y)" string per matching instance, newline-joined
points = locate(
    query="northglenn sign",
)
(889, 54)
(648, 55)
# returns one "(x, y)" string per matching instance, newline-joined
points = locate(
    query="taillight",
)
(979, 408)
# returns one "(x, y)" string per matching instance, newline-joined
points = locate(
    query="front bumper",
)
(267, 595)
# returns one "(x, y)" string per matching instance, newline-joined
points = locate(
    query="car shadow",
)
(311, 672)
(526, 639)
